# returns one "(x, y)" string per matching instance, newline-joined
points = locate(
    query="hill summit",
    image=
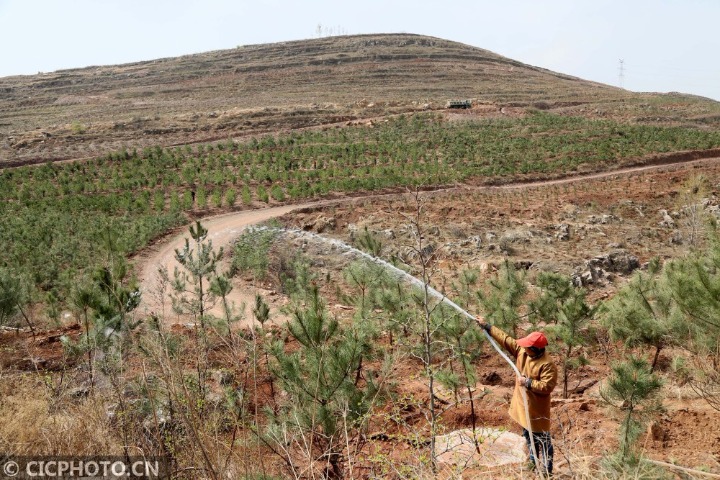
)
(263, 88)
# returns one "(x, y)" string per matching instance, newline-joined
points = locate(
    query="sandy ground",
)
(223, 229)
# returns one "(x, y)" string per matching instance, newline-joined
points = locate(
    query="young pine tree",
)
(174, 202)
(14, 298)
(369, 243)
(230, 197)
(220, 287)
(563, 307)
(246, 195)
(397, 310)
(464, 342)
(325, 404)
(84, 298)
(365, 279)
(694, 283)
(199, 264)
(192, 288)
(261, 312)
(201, 198)
(466, 295)
(633, 392)
(506, 294)
(642, 314)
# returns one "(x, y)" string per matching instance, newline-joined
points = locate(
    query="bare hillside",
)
(262, 88)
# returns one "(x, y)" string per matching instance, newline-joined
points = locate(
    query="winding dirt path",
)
(223, 229)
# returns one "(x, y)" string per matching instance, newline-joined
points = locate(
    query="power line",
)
(622, 73)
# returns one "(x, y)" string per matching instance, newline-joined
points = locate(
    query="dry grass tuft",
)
(34, 423)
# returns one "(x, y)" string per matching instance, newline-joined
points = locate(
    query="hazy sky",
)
(666, 45)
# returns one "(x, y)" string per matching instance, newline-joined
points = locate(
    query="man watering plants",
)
(538, 378)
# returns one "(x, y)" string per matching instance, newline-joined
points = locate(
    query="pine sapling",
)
(191, 285)
(504, 297)
(563, 307)
(633, 391)
(642, 314)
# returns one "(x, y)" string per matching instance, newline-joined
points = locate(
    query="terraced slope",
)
(260, 88)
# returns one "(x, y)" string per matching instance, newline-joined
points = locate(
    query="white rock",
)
(497, 447)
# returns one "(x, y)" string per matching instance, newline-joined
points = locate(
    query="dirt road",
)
(223, 229)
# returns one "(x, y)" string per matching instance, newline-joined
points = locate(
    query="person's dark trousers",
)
(543, 446)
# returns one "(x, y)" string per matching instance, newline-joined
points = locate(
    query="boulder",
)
(546, 266)
(523, 264)
(516, 236)
(583, 385)
(78, 392)
(667, 221)
(325, 223)
(319, 224)
(428, 250)
(618, 261)
(497, 447)
(676, 238)
(475, 241)
(563, 232)
(602, 219)
(590, 275)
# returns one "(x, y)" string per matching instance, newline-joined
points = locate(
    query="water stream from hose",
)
(416, 282)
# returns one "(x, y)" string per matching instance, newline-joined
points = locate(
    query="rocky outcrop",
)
(319, 224)
(598, 269)
(667, 221)
(563, 232)
(618, 261)
(601, 219)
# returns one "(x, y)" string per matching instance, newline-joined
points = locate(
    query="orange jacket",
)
(543, 373)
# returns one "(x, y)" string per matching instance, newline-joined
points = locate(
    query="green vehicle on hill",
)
(459, 104)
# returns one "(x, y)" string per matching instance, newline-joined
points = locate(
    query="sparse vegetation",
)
(339, 370)
(126, 191)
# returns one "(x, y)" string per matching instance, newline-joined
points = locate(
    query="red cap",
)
(535, 339)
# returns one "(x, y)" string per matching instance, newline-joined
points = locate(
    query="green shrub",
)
(230, 197)
(174, 202)
(246, 195)
(277, 193)
(262, 194)
(201, 198)
(159, 201)
(216, 198)
(187, 202)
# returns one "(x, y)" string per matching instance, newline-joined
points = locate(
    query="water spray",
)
(418, 283)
